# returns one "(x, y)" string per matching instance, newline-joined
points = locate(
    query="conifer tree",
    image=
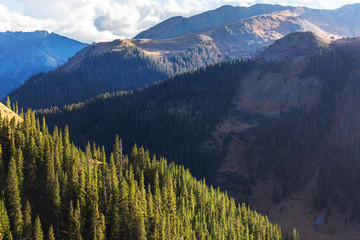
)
(118, 152)
(20, 166)
(114, 201)
(51, 235)
(27, 232)
(1, 232)
(8, 103)
(13, 199)
(74, 225)
(38, 233)
(294, 235)
(2, 173)
(4, 221)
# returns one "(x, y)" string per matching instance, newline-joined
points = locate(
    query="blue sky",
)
(103, 20)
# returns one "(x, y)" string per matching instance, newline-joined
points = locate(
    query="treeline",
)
(172, 118)
(51, 189)
(128, 68)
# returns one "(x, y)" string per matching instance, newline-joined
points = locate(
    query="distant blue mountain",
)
(23, 54)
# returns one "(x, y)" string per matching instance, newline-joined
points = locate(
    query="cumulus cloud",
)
(105, 20)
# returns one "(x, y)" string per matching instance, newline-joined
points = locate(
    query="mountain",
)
(177, 26)
(114, 66)
(341, 21)
(50, 187)
(23, 54)
(124, 65)
(277, 131)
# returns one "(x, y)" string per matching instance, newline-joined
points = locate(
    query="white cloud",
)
(104, 20)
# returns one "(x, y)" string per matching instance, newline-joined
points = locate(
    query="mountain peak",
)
(291, 46)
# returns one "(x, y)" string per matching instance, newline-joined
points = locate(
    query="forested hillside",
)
(173, 118)
(51, 189)
(108, 67)
(201, 118)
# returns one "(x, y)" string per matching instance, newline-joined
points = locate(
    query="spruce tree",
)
(51, 235)
(1, 232)
(294, 235)
(38, 233)
(114, 214)
(13, 200)
(8, 103)
(4, 221)
(118, 157)
(27, 231)
(2, 173)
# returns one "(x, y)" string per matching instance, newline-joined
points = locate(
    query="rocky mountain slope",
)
(23, 54)
(177, 26)
(342, 21)
(263, 130)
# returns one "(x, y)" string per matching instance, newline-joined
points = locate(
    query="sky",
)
(106, 20)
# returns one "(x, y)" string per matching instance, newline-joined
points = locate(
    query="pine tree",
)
(74, 229)
(114, 201)
(2, 173)
(8, 103)
(51, 235)
(52, 184)
(27, 232)
(118, 157)
(4, 221)
(13, 197)
(294, 235)
(1, 232)
(20, 166)
(38, 233)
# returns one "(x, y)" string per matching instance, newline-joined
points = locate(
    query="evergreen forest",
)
(50, 189)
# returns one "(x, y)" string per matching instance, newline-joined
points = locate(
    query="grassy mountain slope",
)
(178, 26)
(6, 112)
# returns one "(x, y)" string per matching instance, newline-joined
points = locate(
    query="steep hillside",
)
(261, 129)
(23, 54)
(178, 26)
(51, 188)
(115, 66)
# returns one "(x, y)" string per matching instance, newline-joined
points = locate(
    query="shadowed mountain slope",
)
(23, 54)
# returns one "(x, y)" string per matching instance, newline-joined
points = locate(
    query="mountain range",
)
(167, 48)
(261, 101)
(23, 54)
(261, 128)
